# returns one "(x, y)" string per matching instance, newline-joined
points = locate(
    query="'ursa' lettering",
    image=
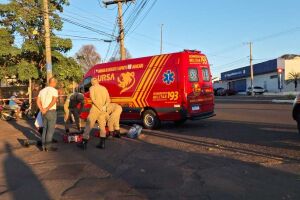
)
(106, 77)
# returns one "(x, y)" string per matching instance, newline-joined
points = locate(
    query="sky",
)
(221, 29)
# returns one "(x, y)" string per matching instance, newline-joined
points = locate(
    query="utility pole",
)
(251, 69)
(120, 22)
(161, 38)
(47, 40)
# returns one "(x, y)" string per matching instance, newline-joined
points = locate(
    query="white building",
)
(266, 75)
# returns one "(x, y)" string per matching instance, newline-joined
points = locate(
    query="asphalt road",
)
(248, 151)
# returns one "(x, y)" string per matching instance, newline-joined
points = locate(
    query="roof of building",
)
(290, 56)
(243, 72)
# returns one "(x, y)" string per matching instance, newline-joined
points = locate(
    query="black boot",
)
(117, 134)
(110, 134)
(83, 144)
(101, 144)
(80, 131)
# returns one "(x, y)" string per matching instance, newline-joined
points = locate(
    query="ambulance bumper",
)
(202, 116)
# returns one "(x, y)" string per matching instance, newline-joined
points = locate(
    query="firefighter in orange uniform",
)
(100, 101)
(114, 111)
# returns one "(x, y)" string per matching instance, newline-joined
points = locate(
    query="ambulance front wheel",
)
(150, 120)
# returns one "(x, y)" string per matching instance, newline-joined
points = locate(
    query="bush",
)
(291, 96)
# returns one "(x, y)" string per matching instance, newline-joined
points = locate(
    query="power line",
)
(100, 32)
(84, 37)
(295, 29)
(81, 20)
(231, 63)
(144, 17)
(87, 27)
(109, 46)
(135, 15)
(89, 12)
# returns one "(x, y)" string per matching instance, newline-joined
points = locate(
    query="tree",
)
(87, 57)
(24, 18)
(118, 57)
(8, 54)
(294, 77)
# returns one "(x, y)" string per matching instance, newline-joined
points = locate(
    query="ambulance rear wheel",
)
(150, 120)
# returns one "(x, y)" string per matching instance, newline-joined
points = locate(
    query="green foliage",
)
(24, 18)
(25, 70)
(291, 96)
(66, 69)
(293, 77)
(8, 54)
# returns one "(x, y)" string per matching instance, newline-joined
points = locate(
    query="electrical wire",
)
(144, 17)
(89, 22)
(109, 46)
(231, 63)
(100, 32)
(82, 37)
(131, 21)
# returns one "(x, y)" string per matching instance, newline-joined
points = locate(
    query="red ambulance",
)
(169, 87)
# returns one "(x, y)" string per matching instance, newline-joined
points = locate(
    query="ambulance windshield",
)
(87, 84)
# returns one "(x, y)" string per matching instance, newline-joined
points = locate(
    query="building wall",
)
(220, 84)
(267, 81)
(291, 66)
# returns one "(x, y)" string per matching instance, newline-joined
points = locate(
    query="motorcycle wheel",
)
(5, 117)
(29, 115)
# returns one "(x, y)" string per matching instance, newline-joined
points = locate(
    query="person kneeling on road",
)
(100, 100)
(114, 111)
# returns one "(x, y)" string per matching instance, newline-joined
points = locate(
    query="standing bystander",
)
(46, 102)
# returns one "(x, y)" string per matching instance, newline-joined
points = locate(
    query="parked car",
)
(256, 90)
(225, 92)
(216, 90)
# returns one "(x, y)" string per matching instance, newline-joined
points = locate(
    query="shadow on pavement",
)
(155, 171)
(22, 183)
(159, 172)
(264, 134)
(28, 131)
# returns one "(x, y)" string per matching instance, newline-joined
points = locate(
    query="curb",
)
(283, 101)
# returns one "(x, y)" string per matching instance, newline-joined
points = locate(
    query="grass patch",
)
(290, 96)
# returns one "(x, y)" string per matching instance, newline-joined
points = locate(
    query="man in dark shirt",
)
(76, 104)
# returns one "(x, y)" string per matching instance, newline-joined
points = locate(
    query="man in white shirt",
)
(46, 102)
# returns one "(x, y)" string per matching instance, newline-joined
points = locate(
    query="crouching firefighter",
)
(75, 104)
(100, 100)
(114, 111)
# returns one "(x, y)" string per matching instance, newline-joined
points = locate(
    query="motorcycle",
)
(7, 114)
(26, 111)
